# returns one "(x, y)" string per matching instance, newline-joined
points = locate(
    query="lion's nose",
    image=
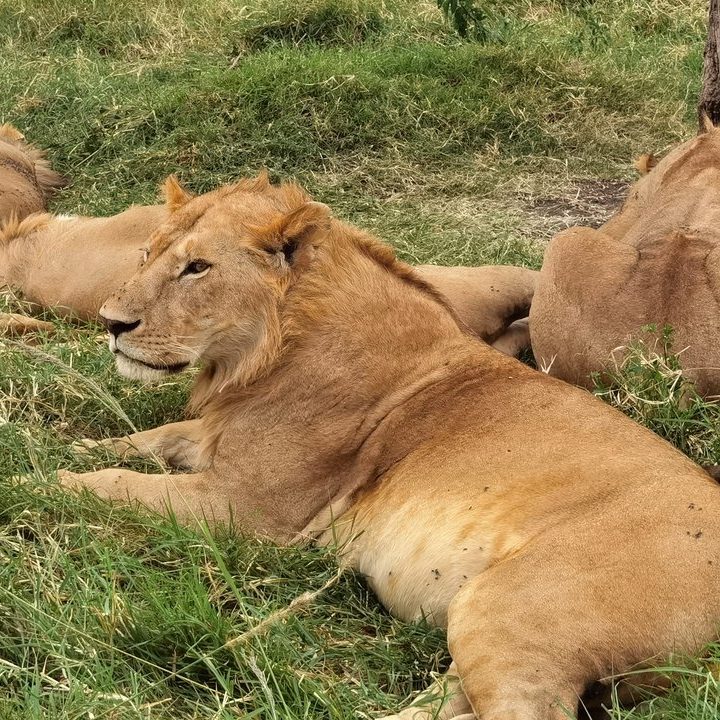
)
(118, 327)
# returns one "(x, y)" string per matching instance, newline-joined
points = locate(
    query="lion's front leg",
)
(178, 444)
(189, 497)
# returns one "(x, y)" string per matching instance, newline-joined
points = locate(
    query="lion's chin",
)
(136, 370)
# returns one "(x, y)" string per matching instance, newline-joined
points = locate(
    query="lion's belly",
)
(418, 553)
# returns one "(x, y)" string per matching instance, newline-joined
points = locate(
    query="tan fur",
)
(72, 264)
(656, 262)
(706, 124)
(26, 178)
(14, 324)
(10, 133)
(175, 194)
(488, 299)
(557, 541)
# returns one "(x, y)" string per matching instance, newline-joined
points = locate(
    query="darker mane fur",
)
(285, 197)
(38, 170)
(15, 228)
(384, 256)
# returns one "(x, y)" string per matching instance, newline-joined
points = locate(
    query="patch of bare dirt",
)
(588, 202)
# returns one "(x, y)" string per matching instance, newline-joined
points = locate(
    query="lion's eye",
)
(196, 267)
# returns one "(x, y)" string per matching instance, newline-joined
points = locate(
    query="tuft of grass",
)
(695, 693)
(321, 22)
(648, 386)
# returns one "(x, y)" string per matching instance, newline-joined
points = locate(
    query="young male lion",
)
(72, 264)
(656, 262)
(557, 541)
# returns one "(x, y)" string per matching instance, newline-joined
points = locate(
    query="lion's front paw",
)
(13, 324)
(69, 479)
(86, 446)
(108, 483)
(78, 481)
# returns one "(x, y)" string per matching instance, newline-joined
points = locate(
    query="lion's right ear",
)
(175, 194)
(706, 124)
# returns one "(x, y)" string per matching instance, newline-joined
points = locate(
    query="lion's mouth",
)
(170, 369)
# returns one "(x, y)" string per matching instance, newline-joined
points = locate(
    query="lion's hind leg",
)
(511, 655)
(532, 633)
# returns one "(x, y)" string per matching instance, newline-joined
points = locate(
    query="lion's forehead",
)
(223, 223)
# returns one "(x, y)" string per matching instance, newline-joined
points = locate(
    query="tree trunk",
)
(709, 104)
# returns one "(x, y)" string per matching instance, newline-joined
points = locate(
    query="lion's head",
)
(691, 166)
(214, 279)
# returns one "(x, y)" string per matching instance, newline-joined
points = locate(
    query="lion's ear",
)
(10, 132)
(706, 124)
(645, 163)
(175, 194)
(291, 238)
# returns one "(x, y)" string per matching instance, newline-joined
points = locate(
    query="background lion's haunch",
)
(26, 179)
(655, 263)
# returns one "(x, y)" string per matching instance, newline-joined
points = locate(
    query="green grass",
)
(399, 119)
(454, 152)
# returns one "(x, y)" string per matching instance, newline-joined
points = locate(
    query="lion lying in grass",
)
(557, 541)
(72, 264)
(656, 262)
